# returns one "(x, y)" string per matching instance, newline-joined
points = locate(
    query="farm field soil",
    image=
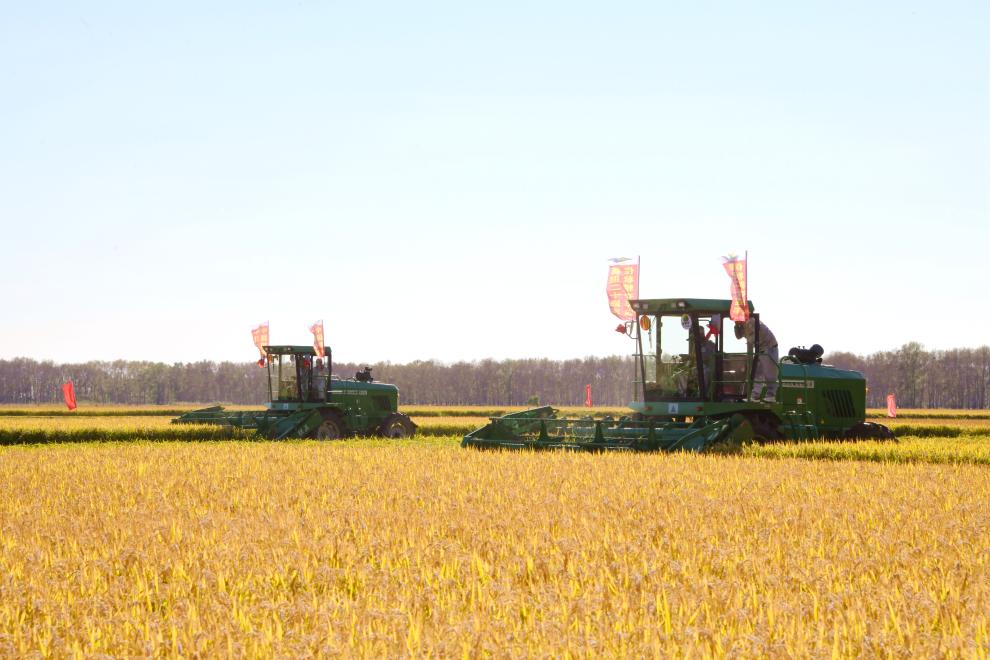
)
(378, 548)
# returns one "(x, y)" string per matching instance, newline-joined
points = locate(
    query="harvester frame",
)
(698, 399)
(306, 401)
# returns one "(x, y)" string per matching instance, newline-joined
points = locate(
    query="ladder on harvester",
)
(801, 424)
(801, 421)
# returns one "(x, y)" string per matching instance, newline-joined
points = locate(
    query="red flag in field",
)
(317, 330)
(587, 395)
(891, 405)
(623, 286)
(735, 268)
(69, 394)
(260, 337)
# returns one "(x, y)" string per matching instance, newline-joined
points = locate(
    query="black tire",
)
(870, 431)
(397, 426)
(332, 428)
(766, 428)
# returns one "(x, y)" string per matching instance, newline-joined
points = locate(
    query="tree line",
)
(958, 378)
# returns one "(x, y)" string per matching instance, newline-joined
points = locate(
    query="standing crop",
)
(379, 548)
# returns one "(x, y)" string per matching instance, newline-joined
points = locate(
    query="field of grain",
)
(137, 546)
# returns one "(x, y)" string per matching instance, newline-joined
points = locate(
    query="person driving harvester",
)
(767, 356)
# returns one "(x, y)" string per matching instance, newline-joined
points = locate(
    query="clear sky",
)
(447, 179)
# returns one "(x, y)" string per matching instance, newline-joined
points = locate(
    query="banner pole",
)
(639, 273)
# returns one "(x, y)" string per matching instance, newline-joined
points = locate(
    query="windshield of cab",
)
(669, 365)
(284, 379)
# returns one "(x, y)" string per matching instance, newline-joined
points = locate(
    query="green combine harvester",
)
(305, 401)
(694, 392)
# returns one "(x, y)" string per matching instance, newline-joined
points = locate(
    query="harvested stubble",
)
(388, 549)
(109, 410)
(456, 425)
(43, 430)
(35, 430)
(489, 411)
(921, 413)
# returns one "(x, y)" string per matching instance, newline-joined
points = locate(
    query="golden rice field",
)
(417, 547)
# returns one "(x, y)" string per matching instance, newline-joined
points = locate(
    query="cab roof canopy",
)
(684, 305)
(290, 350)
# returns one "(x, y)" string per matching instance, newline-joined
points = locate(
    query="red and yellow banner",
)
(891, 405)
(587, 395)
(735, 268)
(317, 330)
(260, 337)
(623, 286)
(69, 394)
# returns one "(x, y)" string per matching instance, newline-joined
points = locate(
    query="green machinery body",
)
(306, 401)
(696, 399)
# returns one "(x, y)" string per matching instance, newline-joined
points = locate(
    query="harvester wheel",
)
(870, 431)
(331, 429)
(397, 425)
(766, 428)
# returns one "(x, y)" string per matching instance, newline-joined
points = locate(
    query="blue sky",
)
(446, 180)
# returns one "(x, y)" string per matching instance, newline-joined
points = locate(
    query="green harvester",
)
(306, 401)
(694, 392)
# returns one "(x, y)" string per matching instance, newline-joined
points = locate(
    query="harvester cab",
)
(695, 387)
(305, 401)
(296, 376)
(684, 355)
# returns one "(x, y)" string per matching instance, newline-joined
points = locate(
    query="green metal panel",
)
(835, 399)
(290, 350)
(682, 305)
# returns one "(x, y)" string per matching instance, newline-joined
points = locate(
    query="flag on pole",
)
(587, 395)
(735, 268)
(891, 405)
(317, 330)
(623, 286)
(260, 337)
(69, 394)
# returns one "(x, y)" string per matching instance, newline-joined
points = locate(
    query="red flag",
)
(587, 395)
(69, 394)
(260, 337)
(623, 286)
(891, 405)
(317, 330)
(735, 268)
